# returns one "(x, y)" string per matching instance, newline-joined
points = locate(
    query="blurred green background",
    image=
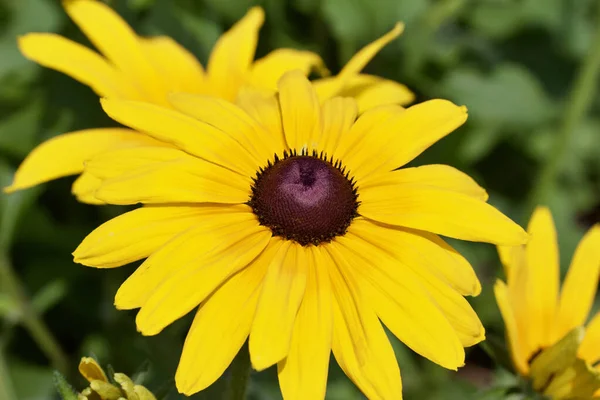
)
(530, 138)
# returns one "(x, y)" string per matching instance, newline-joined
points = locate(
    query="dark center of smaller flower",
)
(304, 198)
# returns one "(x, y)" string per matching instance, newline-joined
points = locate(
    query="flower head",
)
(544, 328)
(119, 387)
(288, 222)
(148, 69)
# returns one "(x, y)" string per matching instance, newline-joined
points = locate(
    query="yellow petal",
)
(230, 60)
(91, 370)
(105, 390)
(112, 164)
(387, 144)
(181, 71)
(197, 242)
(520, 360)
(437, 176)
(337, 116)
(127, 385)
(359, 343)
(423, 250)
(579, 289)
(411, 253)
(139, 233)
(110, 34)
(541, 255)
(511, 257)
(180, 181)
(366, 54)
(143, 393)
(555, 358)
(193, 279)
(280, 298)
(64, 155)
(264, 108)
(300, 111)
(215, 337)
(400, 300)
(590, 347)
(231, 120)
(336, 84)
(303, 373)
(578, 381)
(439, 211)
(85, 187)
(266, 71)
(371, 91)
(185, 132)
(79, 62)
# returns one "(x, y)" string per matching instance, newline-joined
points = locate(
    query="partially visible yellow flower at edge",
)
(548, 343)
(132, 67)
(101, 388)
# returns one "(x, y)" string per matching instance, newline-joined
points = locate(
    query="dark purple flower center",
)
(304, 198)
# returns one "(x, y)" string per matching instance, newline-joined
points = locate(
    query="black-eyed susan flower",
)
(119, 387)
(148, 69)
(548, 343)
(288, 223)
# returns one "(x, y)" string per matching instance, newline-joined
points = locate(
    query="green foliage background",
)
(512, 62)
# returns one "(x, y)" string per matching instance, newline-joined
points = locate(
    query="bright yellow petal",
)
(231, 120)
(357, 63)
(199, 273)
(511, 257)
(425, 250)
(64, 155)
(84, 188)
(110, 34)
(215, 336)
(555, 358)
(578, 381)
(542, 260)
(512, 330)
(79, 62)
(590, 347)
(282, 292)
(181, 71)
(230, 60)
(179, 181)
(303, 373)
(91, 370)
(214, 228)
(371, 91)
(435, 175)
(579, 289)
(337, 116)
(264, 108)
(439, 211)
(412, 252)
(389, 143)
(300, 111)
(359, 343)
(139, 233)
(185, 132)
(266, 71)
(400, 300)
(112, 164)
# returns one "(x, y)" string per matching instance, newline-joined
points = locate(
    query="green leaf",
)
(9, 308)
(49, 296)
(510, 96)
(31, 382)
(64, 389)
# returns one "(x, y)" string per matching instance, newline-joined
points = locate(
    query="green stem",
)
(240, 372)
(7, 390)
(579, 101)
(29, 318)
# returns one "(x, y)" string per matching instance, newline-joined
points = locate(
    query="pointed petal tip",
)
(398, 29)
(258, 13)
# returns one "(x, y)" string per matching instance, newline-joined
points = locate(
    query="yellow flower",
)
(148, 69)
(287, 222)
(101, 388)
(544, 329)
